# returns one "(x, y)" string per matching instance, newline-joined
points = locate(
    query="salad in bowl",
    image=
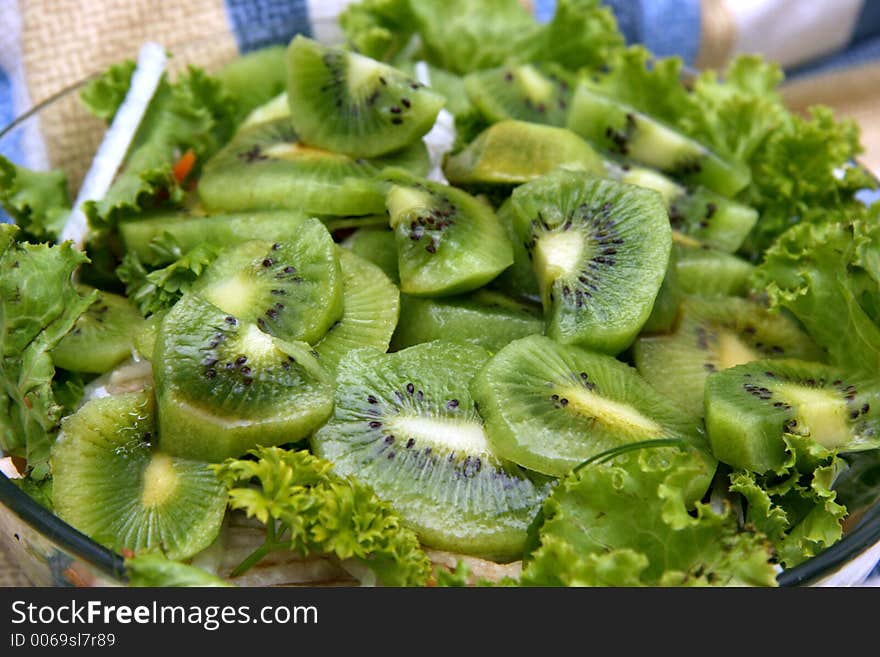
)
(466, 300)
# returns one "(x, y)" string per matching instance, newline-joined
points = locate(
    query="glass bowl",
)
(59, 133)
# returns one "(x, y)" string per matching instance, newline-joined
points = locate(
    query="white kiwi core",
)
(453, 434)
(160, 481)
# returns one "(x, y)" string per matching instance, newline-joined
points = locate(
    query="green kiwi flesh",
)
(370, 309)
(709, 217)
(254, 78)
(349, 103)
(224, 386)
(485, 318)
(291, 289)
(600, 250)
(750, 409)
(549, 407)
(101, 338)
(666, 308)
(448, 242)
(378, 246)
(405, 423)
(112, 483)
(188, 232)
(713, 334)
(283, 173)
(704, 271)
(617, 128)
(511, 152)
(519, 279)
(524, 92)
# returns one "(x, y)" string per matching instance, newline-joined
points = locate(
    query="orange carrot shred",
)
(184, 165)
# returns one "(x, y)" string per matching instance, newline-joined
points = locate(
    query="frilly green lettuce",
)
(39, 304)
(308, 509)
(462, 36)
(828, 276)
(195, 112)
(36, 200)
(625, 523)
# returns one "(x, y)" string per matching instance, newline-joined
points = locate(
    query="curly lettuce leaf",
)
(158, 290)
(378, 28)
(827, 275)
(39, 304)
(103, 95)
(797, 510)
(308, 509)
(193, 113)
(157, 570)
(626, 523)
(37, 201)
(461, 36)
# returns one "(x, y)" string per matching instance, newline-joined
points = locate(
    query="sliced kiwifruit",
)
(549, 407)
(102, 336)
(715, 334)
(667, 305)
(252, 79)
(111, 482)
(704, 271)
(448, 242)
(291, 289)
(527, 92)
(614, 127)
(271, 110)
(599, 248)
(405, 423)
(370, 308)
(224, 386)
(285, 173)
(519, 279)
(512, 152)
(751, 408)
(144, 339)
(414, 158)
(349, 103)
(485, 318)
(712, 218)
(376, 245)
(187, 232)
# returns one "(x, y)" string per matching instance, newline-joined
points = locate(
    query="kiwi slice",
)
(714, 334)
(448, 242)
(525, 92)
(271, 110)
(188, 232)
(378, 246)
(101, 337)
(370, 308)
(599, 248)
(144, 339)
(512, 152)
(111, 482)
(666, 308)
(751, 408)
(283, 173)
(349, 103)
(711, 218)
(224, 386)
(519, 279)
(549, 407)
(485, 318)
(704, 271)
(414, 158)
(405, 423)
(614, 127)
(291, 289)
